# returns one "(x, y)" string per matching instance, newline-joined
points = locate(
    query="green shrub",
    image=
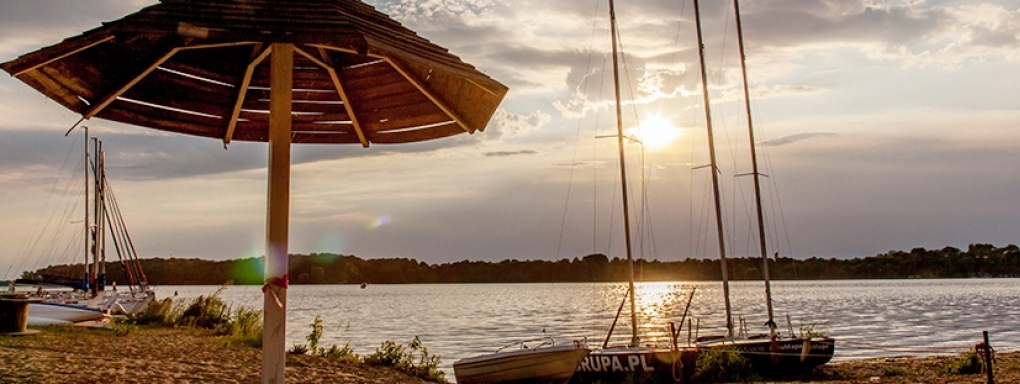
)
(413, 360)
(895, 372)
(716, 365)
(298, 349)
(967, 363)
(209, 312)
(165, 312)
(123, 327)
(314, 336)
(345, 354)
(243, 327)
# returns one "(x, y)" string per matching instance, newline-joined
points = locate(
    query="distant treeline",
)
(979, 260)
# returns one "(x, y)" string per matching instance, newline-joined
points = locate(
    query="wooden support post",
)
(278, 215)
(988, 359)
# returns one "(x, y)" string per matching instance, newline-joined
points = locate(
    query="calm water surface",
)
(869, 318)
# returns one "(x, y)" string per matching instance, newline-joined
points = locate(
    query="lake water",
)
(868, 318)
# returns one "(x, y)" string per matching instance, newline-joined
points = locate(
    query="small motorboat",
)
(548, 364)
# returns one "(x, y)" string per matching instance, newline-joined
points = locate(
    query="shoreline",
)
(158, 354)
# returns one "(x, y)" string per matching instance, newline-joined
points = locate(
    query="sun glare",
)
(656, 132)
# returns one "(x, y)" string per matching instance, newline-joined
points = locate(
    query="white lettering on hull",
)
(615, 364)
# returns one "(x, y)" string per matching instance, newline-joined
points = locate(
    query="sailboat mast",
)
(88, 224)
(715, 174)
(623, 175)
(754, 169)
(101, 216)
(97, 218)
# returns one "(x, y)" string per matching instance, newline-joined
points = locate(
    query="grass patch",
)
(967, 363)
(895, 372)
(414, 359)
(241, 325)
(718, 365)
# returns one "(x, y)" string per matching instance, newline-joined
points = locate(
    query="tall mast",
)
(754, 169)
(97, 217)
(88, 224)
(715, 174)
(623, 176)
(101, 216)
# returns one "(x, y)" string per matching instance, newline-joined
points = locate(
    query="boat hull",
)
(551, 365)
(54, 313)
(784, 356)
(637, 364)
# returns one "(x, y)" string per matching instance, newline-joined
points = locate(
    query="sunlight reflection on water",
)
(869, 318)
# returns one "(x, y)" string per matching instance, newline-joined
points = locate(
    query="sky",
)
(880, 125)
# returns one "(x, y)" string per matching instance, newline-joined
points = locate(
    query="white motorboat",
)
(551, 364)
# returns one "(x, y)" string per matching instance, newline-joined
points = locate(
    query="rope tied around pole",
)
(984, 349)
(278, 282)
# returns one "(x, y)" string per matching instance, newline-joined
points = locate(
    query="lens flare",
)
(381, 221)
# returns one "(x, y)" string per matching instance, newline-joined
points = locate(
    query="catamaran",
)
(73, 300)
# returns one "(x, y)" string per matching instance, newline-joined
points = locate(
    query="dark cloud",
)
(511, 153)
(804, 22)
(147, 156)
(798, 137)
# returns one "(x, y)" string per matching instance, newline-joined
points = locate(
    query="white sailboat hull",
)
(539, 365)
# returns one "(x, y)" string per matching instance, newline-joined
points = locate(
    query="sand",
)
(156, 354)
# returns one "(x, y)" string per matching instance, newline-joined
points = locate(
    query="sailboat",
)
(632, 362)
(772, 353)
(87, 298)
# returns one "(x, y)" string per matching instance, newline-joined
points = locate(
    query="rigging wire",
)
(64, 192)
(573, 162)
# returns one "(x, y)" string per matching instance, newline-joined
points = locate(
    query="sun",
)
(656, 132)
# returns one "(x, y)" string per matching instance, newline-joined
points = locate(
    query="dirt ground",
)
(155, 355)
(911, 370)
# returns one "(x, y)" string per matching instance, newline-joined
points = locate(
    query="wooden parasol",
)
(277, 71)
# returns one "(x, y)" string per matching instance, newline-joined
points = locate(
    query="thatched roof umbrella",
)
(277, 71)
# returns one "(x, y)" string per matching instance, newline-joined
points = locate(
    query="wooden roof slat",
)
(355, 65)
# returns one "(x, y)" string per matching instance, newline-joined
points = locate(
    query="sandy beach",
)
(166, 355)
(155, 355)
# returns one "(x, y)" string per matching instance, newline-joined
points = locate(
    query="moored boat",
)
(633, 362)
(773, 353)
(551, 364)
(51, 313)
(87, 297)
(637, 364)
(780, 354)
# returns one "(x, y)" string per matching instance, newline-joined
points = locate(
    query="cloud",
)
(505, 124)
(511, 153)
(798, 137)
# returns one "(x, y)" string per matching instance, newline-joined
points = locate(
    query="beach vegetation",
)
(122, 327)
(810, 332)
(345, 353)
(895, 372)
(158, 312)
(244, 327)
(209, 312)
(967, 363)
(298, 349)
(240, 325)
(719, 365)
(413, 359)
